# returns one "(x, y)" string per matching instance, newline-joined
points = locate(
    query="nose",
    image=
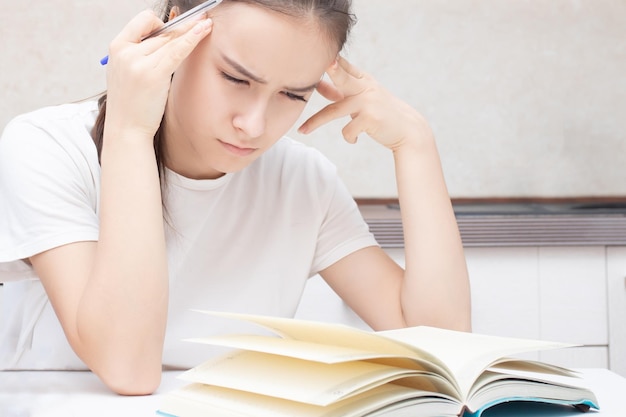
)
(251, 120)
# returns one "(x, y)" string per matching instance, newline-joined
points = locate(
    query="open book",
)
(313, 369)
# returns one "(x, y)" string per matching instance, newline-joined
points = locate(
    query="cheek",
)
(284, 115)
(199, 99)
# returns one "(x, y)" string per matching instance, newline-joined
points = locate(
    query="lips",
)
(236, 150)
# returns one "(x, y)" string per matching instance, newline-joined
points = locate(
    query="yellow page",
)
(322, 333)
(459, 356)
(315, 351)
(298, 380)
(340, 336)
(197, 400)
(293, 348)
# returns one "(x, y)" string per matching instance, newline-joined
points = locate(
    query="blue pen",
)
(201, 8)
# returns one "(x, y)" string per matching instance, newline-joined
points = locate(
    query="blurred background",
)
(527, 98)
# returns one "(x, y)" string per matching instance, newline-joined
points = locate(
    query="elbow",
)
(132, 381)
(124, 369)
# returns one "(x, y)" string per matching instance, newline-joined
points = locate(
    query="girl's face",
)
(242, 89)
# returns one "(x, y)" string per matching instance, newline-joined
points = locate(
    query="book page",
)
(513, 364)
(316, 352)
(290, 347)
(323, 333)
(197, 400)
(467, 355)
(304, 381)
(340, 336)
(501, 384)
(461, 356)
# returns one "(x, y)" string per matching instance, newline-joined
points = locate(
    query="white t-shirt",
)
(246, 242)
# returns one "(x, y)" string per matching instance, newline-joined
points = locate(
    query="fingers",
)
(176, 46)
(349, 106)
(348, 83)
(358, 96)
(167, 49)
(352, 107)
(348, 79)
(352, 130)
(139, 72)
(329, 91)
(371, 109)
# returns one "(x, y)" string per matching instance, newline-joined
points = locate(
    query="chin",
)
(232, 168)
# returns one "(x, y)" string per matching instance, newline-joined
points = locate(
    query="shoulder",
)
(66, 120)
(49, 131)
(50, 145)
(60, 114)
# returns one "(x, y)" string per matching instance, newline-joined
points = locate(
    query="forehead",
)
(274, 46)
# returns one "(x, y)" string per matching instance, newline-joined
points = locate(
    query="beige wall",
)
(527, 98)
(50, 50)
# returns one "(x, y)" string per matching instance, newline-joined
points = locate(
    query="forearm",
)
(122, 314)
(435, 289)
(111, 296)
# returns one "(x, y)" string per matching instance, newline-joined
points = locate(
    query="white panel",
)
(505, 295)
(616, 274)
(573, 294)
(397, 254)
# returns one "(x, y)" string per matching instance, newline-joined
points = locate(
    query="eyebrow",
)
(243, 71)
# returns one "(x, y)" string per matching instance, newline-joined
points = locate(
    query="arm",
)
(434, 287)
(111, 296)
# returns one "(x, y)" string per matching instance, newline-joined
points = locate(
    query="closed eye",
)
(234, 80)
(290, 96)
(294, 97)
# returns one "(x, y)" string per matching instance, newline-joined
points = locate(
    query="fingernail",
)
(303, 129)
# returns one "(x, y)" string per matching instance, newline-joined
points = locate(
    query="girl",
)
(192, 198)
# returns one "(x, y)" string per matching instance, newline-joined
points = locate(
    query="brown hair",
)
(334, 16)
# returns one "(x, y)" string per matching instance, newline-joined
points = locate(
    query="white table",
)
(81, 394)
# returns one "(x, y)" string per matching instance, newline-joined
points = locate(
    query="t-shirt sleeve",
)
(343, 230)
(47, 195)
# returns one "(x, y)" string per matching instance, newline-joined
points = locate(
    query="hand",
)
(373, 109)
(139, 72)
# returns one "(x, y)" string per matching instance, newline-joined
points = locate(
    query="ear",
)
(174, 11)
